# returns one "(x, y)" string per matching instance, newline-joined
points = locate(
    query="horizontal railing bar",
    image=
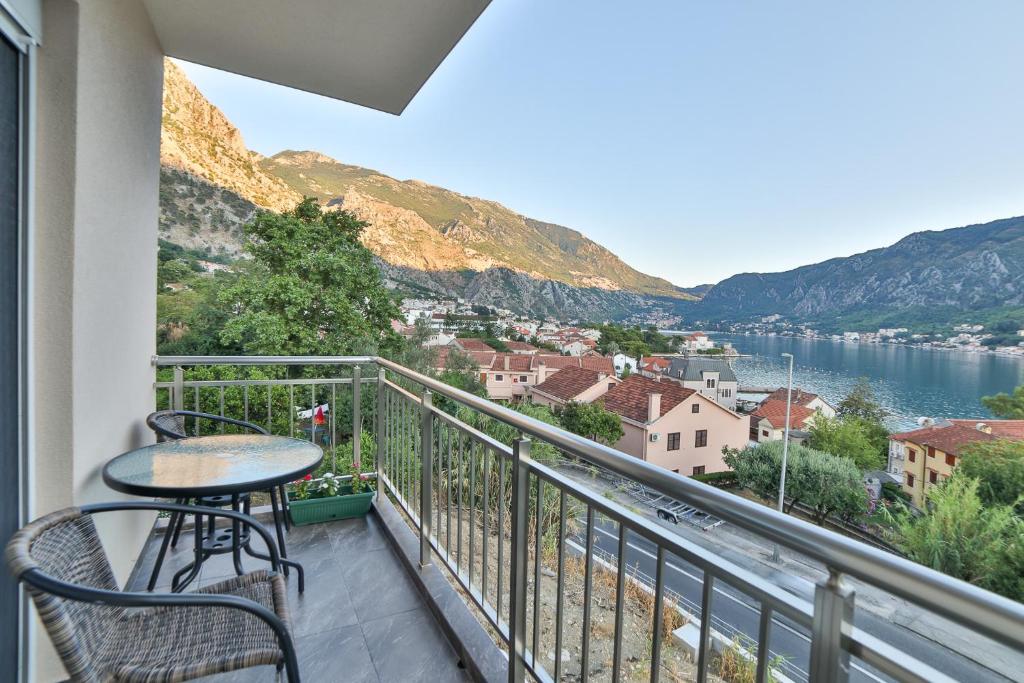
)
(890, 660)
(204, 383)
(992, 615)
(997, 617)
(405, 393)
(167, 361)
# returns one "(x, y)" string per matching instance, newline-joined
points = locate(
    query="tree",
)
(1007, 406)
(861, 403)
(592, 421)
(827, 484)
(310, 288)
(999, 468)
(847, 438)
(962, 537)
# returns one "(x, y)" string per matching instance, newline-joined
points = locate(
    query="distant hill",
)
(428, 239)
(973, 268)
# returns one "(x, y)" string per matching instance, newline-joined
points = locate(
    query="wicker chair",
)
(104, 634)
(170, 425)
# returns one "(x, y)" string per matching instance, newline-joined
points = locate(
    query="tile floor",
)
(360, 617)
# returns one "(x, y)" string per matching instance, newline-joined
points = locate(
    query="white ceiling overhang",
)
(376, 53)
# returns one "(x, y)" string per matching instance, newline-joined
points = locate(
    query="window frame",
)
(700, 438)
(674, 441)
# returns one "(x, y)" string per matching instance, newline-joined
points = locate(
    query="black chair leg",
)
(284, 507)
(179, 522)
(236, 535)
(277, 527)
(171, 523)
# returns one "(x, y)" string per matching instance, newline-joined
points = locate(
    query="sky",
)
(698, 139)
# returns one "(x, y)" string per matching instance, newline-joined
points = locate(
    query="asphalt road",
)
(733, 610)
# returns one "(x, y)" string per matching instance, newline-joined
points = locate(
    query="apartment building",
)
(674, 427)
(925, 457)
(710, 377)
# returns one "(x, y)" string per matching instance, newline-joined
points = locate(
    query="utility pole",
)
(785, 446)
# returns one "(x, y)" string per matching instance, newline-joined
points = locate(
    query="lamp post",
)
(785, 446)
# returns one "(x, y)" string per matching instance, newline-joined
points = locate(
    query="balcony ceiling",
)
(376, 53)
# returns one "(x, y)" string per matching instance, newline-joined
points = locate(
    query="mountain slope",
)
(426, 238)
(969, 268)
(484, 228)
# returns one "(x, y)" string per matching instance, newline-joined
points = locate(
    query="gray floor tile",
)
(410, 647)
(357, 535)
(377, 584)
(325, 605)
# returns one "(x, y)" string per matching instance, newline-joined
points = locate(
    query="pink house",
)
(672, 427)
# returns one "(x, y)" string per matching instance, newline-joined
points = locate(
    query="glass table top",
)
(209, 465)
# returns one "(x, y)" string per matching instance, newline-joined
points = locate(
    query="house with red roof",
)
(521, 347)
(674, 427)
(510, 375)
(654, 366)
(926, 457)
(582, 385)
(768, 422)
(803, 398)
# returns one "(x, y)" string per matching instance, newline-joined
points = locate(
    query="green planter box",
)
(316, 510)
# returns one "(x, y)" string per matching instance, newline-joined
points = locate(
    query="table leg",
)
(191, 570)
(236, 531)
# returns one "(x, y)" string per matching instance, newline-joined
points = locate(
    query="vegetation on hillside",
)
(633, 341)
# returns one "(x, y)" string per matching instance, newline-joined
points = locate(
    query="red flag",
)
(319, 418)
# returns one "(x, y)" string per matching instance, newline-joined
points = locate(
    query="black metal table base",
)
(210, 541)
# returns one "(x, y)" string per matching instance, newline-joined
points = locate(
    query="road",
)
(732, 610)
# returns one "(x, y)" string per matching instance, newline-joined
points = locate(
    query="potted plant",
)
(332, 496)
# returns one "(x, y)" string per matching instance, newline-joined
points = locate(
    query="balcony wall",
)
(92, 260)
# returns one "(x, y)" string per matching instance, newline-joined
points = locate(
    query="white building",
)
(621, 361)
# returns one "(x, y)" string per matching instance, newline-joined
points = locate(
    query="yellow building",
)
(926, 457)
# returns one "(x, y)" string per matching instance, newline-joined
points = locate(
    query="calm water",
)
(911, 383)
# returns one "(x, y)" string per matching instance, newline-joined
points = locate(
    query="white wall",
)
(94, 268)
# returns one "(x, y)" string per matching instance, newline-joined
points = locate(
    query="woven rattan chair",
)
(170, 425)
(104, 634)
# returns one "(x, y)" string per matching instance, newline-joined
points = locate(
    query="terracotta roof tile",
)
(520, 346)
(946, 438)
(472, 344)
(571, 382)
(800, 397)
(630, 398)
(775, 413)
(1004, 429)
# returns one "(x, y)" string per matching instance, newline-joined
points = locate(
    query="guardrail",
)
(496, 516)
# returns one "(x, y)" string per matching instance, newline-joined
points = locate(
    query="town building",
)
(521, 347)
(768, 422)
(696, 342)
(674, 427)
(582, 385)
(925, 457)
(654, 366)
(803, 398)
(621, 361)
(471, 344)
(712, 377)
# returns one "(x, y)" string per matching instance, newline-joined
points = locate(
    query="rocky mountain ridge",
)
(972, 268)
(426, 237)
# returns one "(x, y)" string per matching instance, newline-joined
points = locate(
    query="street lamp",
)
(785, 445)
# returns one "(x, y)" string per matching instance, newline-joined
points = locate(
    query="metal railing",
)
(478, 483)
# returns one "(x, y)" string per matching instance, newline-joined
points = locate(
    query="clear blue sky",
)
(700, 138)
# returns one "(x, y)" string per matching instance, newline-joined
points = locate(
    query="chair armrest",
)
(38, 579)
(248, 520)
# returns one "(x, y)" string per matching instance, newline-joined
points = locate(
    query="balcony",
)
(493, 553)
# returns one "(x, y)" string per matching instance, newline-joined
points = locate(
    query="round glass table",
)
(224, 465)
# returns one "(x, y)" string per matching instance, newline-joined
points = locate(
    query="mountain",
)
(427, 239)
(971, 268)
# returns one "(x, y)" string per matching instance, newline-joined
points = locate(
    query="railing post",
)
(426, 460)
(517, 593)
(357, 420)
(381, 429)
(179, 388)
(833, 614)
